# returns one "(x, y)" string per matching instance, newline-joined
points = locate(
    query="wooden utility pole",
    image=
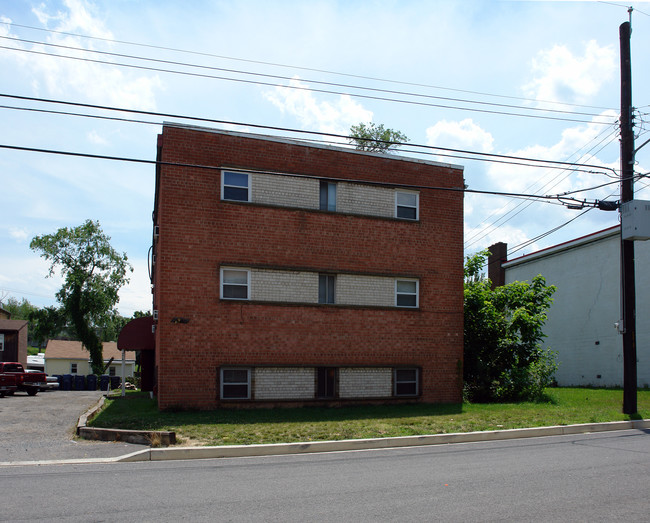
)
(628, 293)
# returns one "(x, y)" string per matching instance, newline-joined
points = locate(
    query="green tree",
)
(93, 273)
(46, 323)
(503, 357)
(19, 310)
(375, 138)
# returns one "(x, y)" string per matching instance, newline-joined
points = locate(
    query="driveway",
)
(42, 427)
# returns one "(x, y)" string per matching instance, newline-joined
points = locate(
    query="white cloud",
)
(19, 235)
(561, 76)
(98, 82)
(489, 219)
(95, 138)
(325, 116)
(460, 135)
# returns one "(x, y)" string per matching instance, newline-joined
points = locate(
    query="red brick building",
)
(292, 273)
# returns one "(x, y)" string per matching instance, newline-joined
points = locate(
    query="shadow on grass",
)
(142, 411)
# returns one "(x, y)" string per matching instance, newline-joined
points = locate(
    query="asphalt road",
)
(42, 427)
(591, 477)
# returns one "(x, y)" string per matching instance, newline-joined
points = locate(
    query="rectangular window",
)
(235, 186)
(406, 205)
(2, 342)
(111, 371)
(406, 382)
(73, 368)
(235, 384)
(406, 293)
(235, 284)
(326, 287)
(327, 196)
(326, 382)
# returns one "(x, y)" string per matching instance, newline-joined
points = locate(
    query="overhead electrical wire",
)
(507, 216)
(516, 160)
(458, 153)
(504, 218)
(556, 199)
(287, 78)
(296, 67)
(303, 88)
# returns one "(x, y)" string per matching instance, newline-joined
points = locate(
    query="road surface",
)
(592, 477)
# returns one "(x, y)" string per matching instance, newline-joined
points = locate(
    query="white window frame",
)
(74, 368)
(222, 283)
(416, 206)
(247, 382)
(224, 185)
(416, 382)
(416, 293)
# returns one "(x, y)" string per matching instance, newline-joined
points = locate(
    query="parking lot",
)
(42, 427)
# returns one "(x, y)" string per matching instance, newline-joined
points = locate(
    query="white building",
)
(69, 357)
(587, 304)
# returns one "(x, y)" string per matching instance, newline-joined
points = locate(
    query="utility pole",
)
(628, 293)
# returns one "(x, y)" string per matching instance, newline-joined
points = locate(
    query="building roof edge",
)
(564, 246)
(306, 143)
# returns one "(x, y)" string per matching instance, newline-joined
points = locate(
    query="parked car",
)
(51, 381)
(7, 384)
(30, 382)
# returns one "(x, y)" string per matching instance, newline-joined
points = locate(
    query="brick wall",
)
(199, 233)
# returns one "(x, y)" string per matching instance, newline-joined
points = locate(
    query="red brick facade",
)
(198, 232)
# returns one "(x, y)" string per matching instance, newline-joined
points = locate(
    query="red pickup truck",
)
(7, 384)
(30, 382)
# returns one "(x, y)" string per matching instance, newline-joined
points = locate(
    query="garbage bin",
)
(67, 382)
(91, 382)
(116, 382)
(104, 381)
(59, 378)
(79, 382)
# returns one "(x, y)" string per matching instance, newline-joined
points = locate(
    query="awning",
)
(137, 335)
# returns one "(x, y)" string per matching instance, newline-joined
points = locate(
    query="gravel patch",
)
(42, 427)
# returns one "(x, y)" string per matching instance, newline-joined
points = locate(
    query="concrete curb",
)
(232, 451)
(140, 437)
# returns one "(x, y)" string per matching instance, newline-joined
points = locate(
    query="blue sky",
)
(524, 56)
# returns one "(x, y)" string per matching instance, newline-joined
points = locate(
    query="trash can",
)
(116, 382)
(91, 382)
(59, 378)
(104, 381)
(67, 382)
(79, 382)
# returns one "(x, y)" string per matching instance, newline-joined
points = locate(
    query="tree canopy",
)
(93, 273)
(503, 358)
(375, 137)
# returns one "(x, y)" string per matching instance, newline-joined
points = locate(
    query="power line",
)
(504, 218)
(458, 153)
(259, 62)
(548, 198)
(301, 88)
(521, 246)
(278, 77)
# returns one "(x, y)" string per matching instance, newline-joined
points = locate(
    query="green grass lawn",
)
(564, 406)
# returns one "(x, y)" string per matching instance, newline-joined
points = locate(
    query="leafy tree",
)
(19, 310)
(375, 138)
(46, 323)
(504, 359)
(93, 274)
